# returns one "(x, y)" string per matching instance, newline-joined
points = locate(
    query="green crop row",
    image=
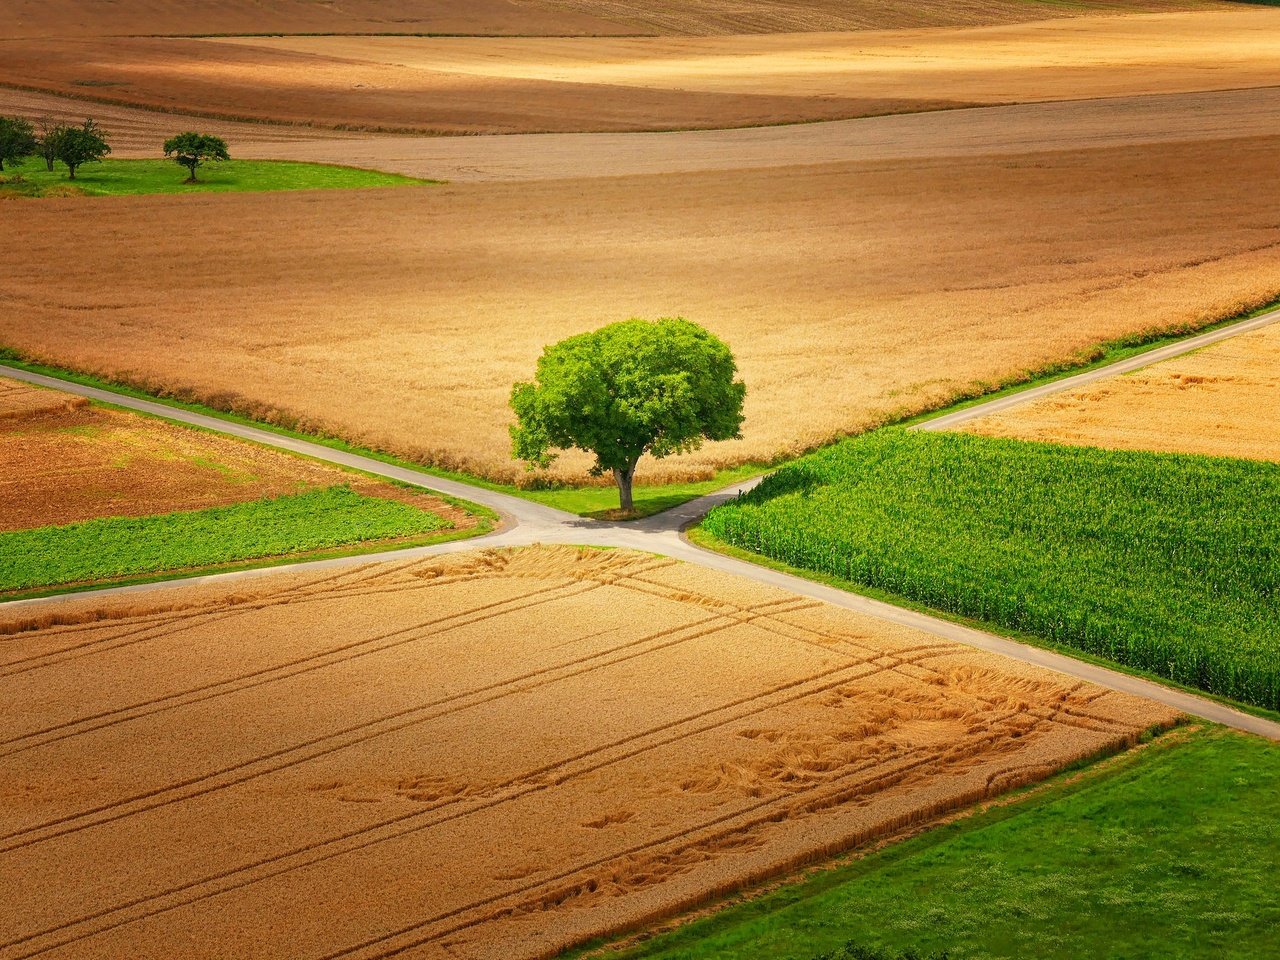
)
(1166, 563)
(117, 547)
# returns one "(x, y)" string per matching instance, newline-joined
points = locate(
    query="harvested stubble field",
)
(505, 85)
(64, 461)
(410, 343)
(504, 752)
(1221, 401)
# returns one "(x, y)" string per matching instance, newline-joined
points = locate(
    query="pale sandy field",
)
(849, 292)
(1222, 401)
(487, 756)
(63, 461)
(496, 85)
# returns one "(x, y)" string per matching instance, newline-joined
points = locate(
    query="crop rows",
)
(1166, 563)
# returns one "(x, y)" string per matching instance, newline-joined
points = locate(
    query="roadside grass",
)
(132, 177)
(1163, 562)
(1166, 850)
(306, 525)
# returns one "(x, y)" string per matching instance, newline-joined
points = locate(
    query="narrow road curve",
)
(525, 523)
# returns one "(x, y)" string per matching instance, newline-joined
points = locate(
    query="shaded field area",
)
(506, 752)
(89, 494)
(127, 177)
(1174, 837)
(514, 85)
(1220, 401)
(904, 284)
(1161, 562)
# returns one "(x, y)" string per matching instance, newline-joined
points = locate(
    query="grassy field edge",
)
(701, 537)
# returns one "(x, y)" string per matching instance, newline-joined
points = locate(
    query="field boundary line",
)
(1146, 358)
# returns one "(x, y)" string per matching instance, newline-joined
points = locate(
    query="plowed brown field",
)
(482, 85)
(848, 291)
(1220, 401)
(62, 461)
(52, 18)
(492, 755)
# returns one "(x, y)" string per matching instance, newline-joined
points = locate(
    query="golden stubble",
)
(505, 753)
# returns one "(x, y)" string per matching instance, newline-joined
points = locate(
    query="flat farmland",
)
(510, 85)
(400, 319)
(1220, 401)
(63, 461)
(600, 737)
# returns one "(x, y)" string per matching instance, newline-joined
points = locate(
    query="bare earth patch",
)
(1220, 401)
(63, 461)
(511, 85)
(503, 752)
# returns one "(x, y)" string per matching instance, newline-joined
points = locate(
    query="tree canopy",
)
(624, 390)
(17, 140)
(78, 145)
(192, 149)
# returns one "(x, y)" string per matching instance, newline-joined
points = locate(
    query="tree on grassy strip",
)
(79, 145)
(192, 149)
(17, 141)
(625, 390)
(48, 131)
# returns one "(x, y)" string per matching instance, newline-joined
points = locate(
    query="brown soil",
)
(399, 319)
(62, 461)
(75, 18)
(490, 85)
(1220, 401)
(503, 753)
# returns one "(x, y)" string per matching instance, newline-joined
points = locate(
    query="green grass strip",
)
(124, 547)
(1163, 562)
(132, 177)
(1167, 851)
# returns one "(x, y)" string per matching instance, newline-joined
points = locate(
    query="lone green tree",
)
(625, 390)
(79, 145)
(192, 149)
(17, 141)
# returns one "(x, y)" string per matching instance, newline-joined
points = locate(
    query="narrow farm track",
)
(526, 523)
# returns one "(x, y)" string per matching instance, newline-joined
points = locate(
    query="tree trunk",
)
(48, 164)
(72, 170)
(624, 478)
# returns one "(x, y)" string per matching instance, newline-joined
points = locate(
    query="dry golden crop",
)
(1220, 401)
(62, 461)
(400, 319)
(600, 737)
(505, 85)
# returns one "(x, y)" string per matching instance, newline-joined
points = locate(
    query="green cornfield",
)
(1162, 562)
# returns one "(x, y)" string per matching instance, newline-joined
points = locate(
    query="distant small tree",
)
(47, 133)
(17, 141)
(80, 145)
(625, 390)
(190, 150)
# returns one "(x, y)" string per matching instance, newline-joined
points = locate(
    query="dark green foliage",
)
(75, 146)
(191, 149)
(625, 390)
(131, 546)
(17, 141)
(1166, 563)
(854, 951)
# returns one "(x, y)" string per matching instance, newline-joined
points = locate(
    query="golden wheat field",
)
(602, 737)
(400, 319)
(509, 85)
(1220, 401)
(63, 461)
